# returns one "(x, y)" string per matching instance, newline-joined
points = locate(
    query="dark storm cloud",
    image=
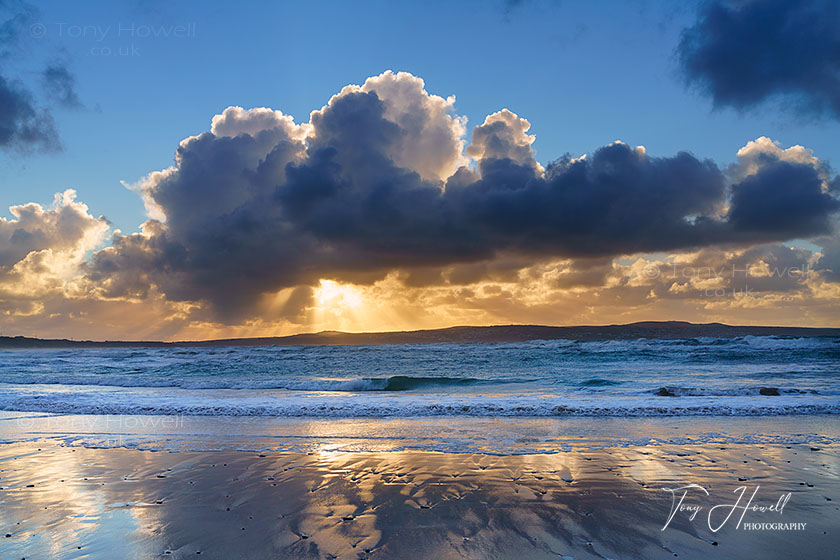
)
(616, 201)
(23, 126)
(789, 193)
(743, 53)
(251, 213)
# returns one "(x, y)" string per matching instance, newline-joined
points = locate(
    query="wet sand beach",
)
(68, 502)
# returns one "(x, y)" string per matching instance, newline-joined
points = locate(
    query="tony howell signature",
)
(719, 515)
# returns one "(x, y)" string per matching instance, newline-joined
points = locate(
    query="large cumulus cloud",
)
(745, 52)
(41, 250)
(66, 227)
(380, 179)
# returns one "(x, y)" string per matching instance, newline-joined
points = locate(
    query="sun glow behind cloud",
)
(337, 304)
(377, 215)
(332, 296)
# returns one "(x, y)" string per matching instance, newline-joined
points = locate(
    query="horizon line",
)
(327, 333)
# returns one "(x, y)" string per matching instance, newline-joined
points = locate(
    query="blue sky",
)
(583, 73)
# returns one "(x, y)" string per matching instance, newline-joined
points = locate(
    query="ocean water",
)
(748, 376)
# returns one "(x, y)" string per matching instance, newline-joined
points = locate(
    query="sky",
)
(205, 169)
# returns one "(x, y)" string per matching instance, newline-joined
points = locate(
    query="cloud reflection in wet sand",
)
(587, 504)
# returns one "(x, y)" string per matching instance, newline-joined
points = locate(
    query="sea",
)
(537, 396)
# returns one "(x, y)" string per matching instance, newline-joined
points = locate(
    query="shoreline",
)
(484, 435)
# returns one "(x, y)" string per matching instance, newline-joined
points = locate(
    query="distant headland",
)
(463, 334)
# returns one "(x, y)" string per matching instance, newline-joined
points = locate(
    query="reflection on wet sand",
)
(63, 502)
